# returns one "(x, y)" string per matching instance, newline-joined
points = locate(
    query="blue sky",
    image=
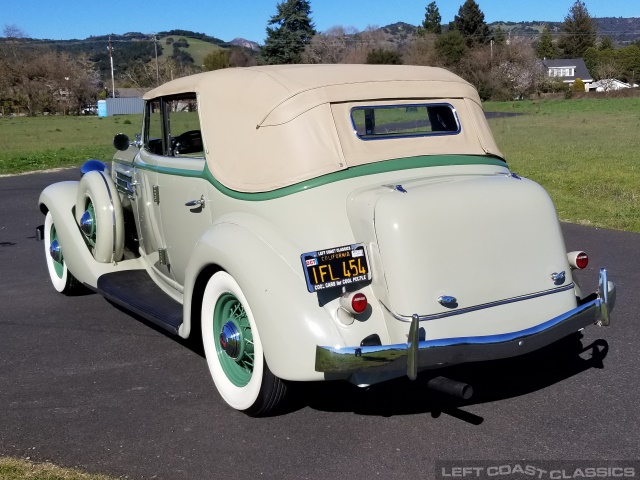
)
(67, 19)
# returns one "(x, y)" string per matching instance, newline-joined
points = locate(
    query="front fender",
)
(59, 199)
(290, 322)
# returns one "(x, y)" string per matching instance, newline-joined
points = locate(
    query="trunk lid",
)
(476, 238)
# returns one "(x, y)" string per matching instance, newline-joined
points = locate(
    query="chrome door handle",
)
(196, 203)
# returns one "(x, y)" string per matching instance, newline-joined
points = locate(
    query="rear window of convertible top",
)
(401, 121)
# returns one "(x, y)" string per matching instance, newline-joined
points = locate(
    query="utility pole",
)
(155, 46)
(113, 83)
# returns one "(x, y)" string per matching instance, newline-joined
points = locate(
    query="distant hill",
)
(135, 46)
(242, 42)
(621, 30)
(196, 48)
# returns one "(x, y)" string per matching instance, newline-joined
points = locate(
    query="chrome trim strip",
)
(603, 292)
(436, 316)
(413, 346)
(113, 214)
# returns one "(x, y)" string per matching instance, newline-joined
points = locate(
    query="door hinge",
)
(162, 256)
(156, 194)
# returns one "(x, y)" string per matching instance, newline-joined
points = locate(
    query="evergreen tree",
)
(451, 47)
(579, 31)
(606, 44)
(432, 19)
(545, 47)
(293, 29)
(470, 23)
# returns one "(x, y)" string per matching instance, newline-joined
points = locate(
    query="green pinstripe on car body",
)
(352, 172)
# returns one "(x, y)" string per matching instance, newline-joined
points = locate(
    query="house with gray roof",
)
(569, 69)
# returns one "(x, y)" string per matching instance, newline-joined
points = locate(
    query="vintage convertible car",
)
(351, 222)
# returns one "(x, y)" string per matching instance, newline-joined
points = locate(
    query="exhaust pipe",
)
(451, 387)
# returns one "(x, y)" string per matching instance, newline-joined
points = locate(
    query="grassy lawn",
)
(586, 153)
(28, 144)
(14, 469)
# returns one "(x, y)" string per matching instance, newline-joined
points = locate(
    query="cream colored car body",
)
(440, 216)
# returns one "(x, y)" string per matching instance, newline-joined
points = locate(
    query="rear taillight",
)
(578, 259)
(354, 302)
(359, 303)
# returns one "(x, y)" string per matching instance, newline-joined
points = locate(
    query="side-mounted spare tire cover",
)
(99, 215)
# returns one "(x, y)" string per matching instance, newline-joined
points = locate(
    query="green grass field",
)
(585, 152)
(28, 144)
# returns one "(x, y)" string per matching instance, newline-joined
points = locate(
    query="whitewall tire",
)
(61, 278)
(234, 351)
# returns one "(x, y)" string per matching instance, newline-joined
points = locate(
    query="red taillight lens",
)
(582, 260)
(578, 259)
(359, 303)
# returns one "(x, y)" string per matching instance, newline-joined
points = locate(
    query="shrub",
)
(381, 56)
(578, 85)
(217, 60)
(181, 43)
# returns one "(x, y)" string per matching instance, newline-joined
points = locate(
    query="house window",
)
(562, 72)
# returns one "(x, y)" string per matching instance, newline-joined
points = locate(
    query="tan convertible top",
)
(269, 127)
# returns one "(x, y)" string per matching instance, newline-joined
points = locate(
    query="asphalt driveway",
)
(84, 384)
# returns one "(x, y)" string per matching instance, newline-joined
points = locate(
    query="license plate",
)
(335, 267)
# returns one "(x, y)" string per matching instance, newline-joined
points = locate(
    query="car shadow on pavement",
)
(491, 381)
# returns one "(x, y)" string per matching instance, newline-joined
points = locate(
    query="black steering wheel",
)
(187, 142)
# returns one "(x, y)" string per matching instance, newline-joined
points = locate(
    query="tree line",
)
(501, 67)
(36, 79)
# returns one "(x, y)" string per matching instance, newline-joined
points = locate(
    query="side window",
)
(183, 123)
(153, 137)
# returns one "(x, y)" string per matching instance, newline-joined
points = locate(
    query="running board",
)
(135, 291)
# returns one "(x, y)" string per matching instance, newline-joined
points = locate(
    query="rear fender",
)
(289, 319)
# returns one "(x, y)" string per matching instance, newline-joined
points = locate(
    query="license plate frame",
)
(336, 267)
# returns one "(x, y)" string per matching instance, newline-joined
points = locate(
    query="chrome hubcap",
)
(231, 340)
(55, 251)
(87, 225)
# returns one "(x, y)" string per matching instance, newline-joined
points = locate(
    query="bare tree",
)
(330, 46)
(506, 72)
(240, 58)
(521, 68)
(421, 50)
(606, 73)
(38, 79)
(143, 75)
(365, 42)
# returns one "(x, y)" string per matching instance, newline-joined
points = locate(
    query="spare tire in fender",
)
(99, 215)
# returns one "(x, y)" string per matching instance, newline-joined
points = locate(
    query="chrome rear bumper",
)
(594, 309)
